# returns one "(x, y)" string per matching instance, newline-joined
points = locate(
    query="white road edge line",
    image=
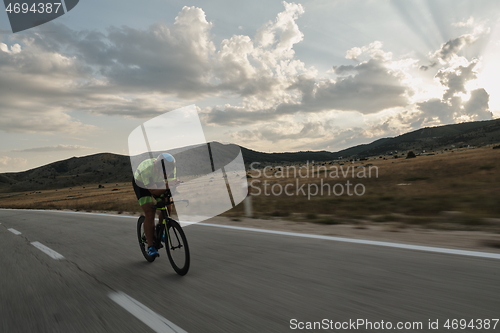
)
(156, 322)
(434, 249)
(48, 251)
(370, 242)
(14, 231)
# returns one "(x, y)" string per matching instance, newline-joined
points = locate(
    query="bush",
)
(280, 213)
(328, 221)
(411, 154)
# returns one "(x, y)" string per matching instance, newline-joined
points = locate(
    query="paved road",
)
(240, 281)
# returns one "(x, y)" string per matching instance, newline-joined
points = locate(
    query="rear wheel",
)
(177, 248)
(143, 243)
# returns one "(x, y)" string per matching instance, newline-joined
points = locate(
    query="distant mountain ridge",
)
(478, 133)
(110, 168)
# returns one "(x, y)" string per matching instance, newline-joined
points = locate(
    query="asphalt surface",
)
(239, 281)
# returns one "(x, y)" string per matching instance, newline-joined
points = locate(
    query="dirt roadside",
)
(387, 232)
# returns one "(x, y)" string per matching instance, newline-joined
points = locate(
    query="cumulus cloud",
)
(371, 88)
(456, 110)
(455, 78)
(311, 134)
(388, 96)
(477, 108)
(261, 69)
(367, 87)
(33, 80)
(126, 72)
(461, 100)
(435, 107)
(453, 106)
(8, 163)
(133, 72)
(288, 133)
(468, 23)
(140, 72)
(380, 89)
(450, 49)
(169, 59)
(172, 60)
(145, 72)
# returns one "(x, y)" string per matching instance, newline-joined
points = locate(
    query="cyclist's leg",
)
(146, 202)
(149, 222)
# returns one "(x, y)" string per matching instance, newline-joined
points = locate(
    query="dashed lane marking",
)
(156, 322)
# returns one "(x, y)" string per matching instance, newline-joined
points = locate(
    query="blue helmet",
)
(165, 162)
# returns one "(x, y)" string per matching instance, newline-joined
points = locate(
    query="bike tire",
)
(177, 248)
(141, 237)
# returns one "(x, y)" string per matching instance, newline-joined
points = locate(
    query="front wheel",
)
(141, 236)
(177, 248)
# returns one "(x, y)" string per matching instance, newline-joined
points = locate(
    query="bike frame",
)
(162, 226)
(175, 240)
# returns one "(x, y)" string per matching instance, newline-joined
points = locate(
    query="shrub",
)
(280, 213)
(328, 221)
(411, 154)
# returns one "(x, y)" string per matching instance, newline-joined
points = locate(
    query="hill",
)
(475, 134)
(112, 168)
(75, 171)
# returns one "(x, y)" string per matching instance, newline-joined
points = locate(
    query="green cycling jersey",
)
(147, 175)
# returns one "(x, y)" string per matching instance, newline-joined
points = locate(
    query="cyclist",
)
(151, 178)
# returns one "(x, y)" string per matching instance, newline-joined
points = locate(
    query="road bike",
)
(167, 231)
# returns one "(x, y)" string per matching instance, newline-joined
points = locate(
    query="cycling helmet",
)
(165, 162)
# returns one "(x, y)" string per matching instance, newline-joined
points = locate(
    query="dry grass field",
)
(462, 186)
(112, 197)
(462, 180)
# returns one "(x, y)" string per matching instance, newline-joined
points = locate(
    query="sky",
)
(271, 76)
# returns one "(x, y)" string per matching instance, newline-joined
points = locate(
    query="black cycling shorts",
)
(143, 195)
